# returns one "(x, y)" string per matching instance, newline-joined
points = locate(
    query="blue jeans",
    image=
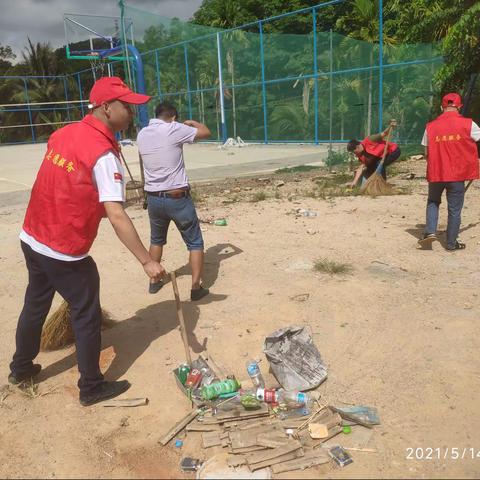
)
(182, 211)
(455, 197)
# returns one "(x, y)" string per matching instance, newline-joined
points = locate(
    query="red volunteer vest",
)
(452, 153)
(375, 149)
(64, 212)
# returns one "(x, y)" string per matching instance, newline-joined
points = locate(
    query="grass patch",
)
(259, 197)
(297, 169)
(332, 267)
(334, 158)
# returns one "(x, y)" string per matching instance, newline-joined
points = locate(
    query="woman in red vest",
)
(370, 152)
(80, 181)
(452, 158)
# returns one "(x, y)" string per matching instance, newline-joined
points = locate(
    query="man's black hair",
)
(165, 110)
(352, 145)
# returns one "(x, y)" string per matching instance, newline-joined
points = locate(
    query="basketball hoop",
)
(97, 64)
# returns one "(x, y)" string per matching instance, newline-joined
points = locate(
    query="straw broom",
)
(134, 188)
(57, 331)
(376, 185)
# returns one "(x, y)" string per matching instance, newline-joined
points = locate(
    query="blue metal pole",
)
(27, 99)
(66, 96)
(315, 72)
(157, 66)
(220, 86)
(331, 88)
(380, 65)
(189, 95)
(264, 91)
(80, 93)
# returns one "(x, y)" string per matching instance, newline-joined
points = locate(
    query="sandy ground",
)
(399, 333)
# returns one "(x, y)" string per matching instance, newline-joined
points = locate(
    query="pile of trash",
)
(249, 429)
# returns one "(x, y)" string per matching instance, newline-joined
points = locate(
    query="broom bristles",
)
(57, 331)
(376, 186)
(134, 192)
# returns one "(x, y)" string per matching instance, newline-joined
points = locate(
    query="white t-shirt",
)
(475, 134)
(161, 146)
(110, 186)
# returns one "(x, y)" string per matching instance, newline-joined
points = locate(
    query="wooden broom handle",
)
(126, 165)
(387, 141)
(180, 318)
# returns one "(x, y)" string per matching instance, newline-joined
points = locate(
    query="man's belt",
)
(179, 193)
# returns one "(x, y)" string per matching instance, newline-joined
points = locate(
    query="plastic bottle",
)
(291, 396)
(267, 395)
(183, 371)
(255, 374)
(220, 222)
(213, 390)
(297, 398)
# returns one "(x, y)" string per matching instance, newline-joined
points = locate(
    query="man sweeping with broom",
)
(452, 158)
(370, 152)
(80, 181)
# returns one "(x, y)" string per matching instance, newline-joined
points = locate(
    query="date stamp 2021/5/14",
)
(442, 453)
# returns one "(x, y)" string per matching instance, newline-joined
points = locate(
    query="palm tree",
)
(365, 19)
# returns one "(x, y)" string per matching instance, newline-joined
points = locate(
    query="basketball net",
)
(98, 64)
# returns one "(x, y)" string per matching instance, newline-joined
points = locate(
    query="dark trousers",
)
(78, 283)
(455, 197)
(389, 159)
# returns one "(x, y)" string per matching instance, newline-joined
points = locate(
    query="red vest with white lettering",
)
(64, 211)
(375, 148)
(452, 153)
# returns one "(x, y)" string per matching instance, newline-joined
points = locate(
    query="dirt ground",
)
(399, 332)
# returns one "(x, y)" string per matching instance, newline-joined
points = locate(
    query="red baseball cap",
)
(107, 89)
(452, 100)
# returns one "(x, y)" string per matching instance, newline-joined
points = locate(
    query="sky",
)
(42, 20)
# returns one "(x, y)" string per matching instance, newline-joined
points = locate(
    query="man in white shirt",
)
(161, 146)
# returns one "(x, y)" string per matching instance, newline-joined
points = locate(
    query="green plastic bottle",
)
(221, 222)
(209, 392)
(183, 372)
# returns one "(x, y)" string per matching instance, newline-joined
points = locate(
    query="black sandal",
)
(155, 287)
(457, 246)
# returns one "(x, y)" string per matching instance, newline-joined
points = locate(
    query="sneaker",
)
(457, 246)
(104, 391)
(427, 240)
(155, 287)
(198, 293)
(17, 379)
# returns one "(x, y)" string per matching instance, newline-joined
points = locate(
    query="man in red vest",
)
(370, 152)
(452, 158)
(80, 181)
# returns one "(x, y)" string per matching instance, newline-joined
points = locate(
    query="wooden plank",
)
(198, 427)
(255, 448)
(211, 439)
(309, 460)
(236, 460)
(246, 438)
(273, 452)
(236, 414)
(273, 461)
(272, 440)
(179, 426)
(225, 442)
